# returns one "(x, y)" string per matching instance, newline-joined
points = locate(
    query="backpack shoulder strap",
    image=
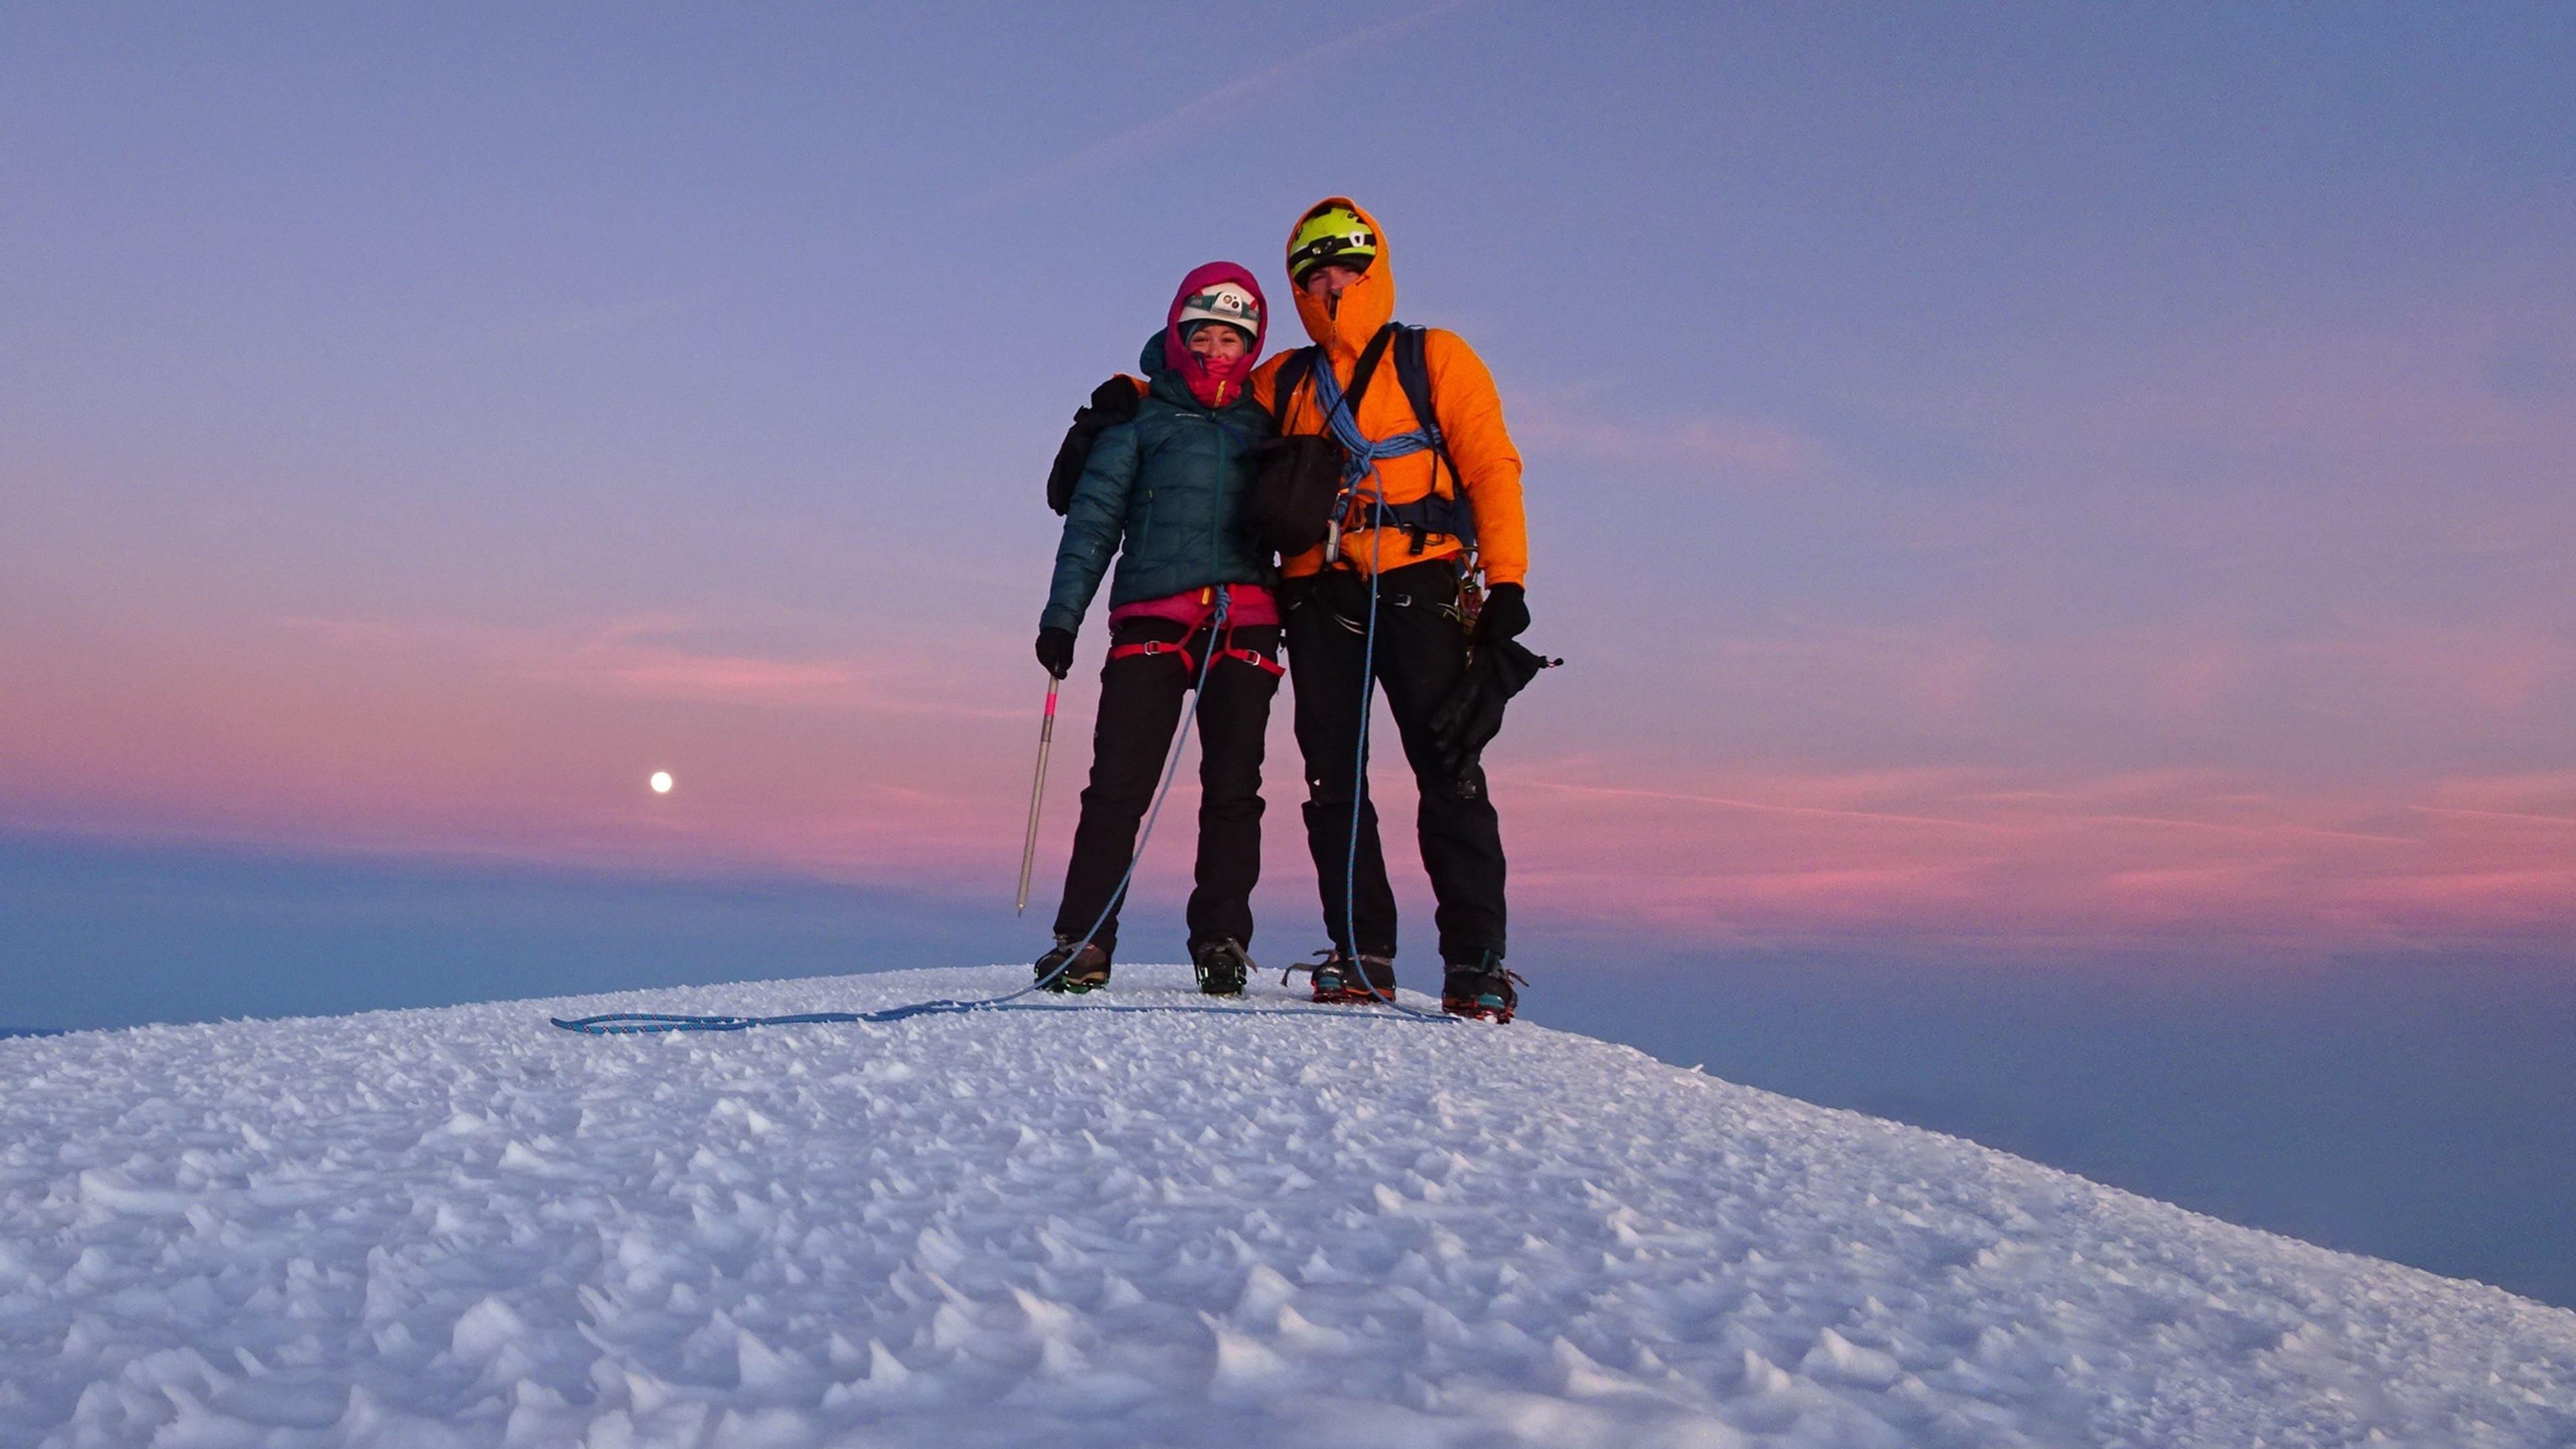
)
(1366, 367)
(1413, 371)
(1284, 384)
(1292, 375)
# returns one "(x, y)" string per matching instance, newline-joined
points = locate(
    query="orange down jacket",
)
(1471, 420)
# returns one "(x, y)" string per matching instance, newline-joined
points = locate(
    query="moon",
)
(661, 782)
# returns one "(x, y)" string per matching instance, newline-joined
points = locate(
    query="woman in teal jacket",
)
(1164, 495)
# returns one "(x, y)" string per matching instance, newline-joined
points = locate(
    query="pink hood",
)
(1220, 383)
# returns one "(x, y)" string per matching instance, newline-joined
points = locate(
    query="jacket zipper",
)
(1216, 515)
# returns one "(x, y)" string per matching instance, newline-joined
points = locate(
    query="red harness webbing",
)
(1225, 649)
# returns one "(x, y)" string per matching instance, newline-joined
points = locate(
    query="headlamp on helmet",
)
(1225, 302)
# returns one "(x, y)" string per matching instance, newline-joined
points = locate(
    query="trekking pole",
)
(1037, 795)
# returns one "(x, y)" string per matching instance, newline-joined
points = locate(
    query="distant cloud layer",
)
(2024, 864)
(892, 763)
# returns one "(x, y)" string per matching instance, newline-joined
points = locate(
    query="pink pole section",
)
(1037, 795)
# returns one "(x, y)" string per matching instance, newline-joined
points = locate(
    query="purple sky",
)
(2034, 481)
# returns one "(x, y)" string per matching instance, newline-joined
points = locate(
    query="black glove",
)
(1472, 715)
(1505, 615)
(1112, 403)
(1055, 651)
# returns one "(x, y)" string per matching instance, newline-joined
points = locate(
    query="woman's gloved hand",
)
(1055, 651)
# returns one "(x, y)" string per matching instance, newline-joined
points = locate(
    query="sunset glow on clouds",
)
(2025, 867)
(1969, 531)
(905, 768)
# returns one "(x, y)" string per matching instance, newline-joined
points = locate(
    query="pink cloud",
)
(2362, 701)
(2013, 863)
(2540, 795)
(907, 764)
(531, 742)
(665, 657)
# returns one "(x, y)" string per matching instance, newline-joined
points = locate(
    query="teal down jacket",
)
(1165, 495)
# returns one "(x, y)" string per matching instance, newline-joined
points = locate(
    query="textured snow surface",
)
(463, 1227)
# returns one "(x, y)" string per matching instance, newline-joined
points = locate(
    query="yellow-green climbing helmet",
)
(1335, 234)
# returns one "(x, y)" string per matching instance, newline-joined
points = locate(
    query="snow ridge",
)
(463, 1227)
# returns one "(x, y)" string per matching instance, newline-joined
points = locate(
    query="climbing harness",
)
(1253, 657)
(1435, 513)
(1220, 643)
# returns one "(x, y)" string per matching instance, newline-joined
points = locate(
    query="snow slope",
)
(463, 1227)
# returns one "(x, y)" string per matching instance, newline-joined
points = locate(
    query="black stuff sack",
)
(1293, 489)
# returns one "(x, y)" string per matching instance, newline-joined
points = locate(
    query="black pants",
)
(1420, 654)
(1141, 698)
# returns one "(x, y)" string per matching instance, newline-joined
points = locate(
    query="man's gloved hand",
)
(1112, 403)
(1505, 615)
(1115, 401)
(1055, 651)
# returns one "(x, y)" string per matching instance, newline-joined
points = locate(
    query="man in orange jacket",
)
(1410, 535)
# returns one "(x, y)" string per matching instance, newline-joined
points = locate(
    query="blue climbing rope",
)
(1361, 468)
(1363, 453)
(638, 1023)
(629, 1022)
(1359, 797)
(1162, 792)
(634, 1023)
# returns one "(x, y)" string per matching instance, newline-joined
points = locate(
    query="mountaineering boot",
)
(1083, 969)
(1342, 980)
(1481, 990)
(1223, 967)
